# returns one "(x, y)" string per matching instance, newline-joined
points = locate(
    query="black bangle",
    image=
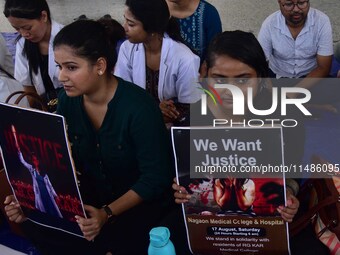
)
(108, 211)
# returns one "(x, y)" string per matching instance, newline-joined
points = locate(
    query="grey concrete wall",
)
(235, 14)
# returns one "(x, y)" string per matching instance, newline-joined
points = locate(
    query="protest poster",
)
(39, 167)
(232, 211)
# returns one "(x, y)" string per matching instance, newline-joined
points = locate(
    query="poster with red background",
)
(39, 167)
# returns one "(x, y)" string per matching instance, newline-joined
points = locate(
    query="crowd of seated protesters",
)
(160, 59)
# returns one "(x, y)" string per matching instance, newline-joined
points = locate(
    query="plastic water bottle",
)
(160, 243)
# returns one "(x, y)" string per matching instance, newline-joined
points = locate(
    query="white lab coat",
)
(178, 72)
(21, 68)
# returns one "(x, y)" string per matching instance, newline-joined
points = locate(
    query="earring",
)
(100, 73)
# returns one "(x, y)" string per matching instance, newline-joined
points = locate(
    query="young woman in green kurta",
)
(119, 143)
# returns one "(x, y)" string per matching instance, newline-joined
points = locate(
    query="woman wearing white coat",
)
(154, 58)
(34, 60)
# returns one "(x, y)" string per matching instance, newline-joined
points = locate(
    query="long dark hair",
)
(89, 39)
(114, 30)
(239, 45)
(28, 9)
(155, 17)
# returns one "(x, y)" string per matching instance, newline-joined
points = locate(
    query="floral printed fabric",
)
(198, 29)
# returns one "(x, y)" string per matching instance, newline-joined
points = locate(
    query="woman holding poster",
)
(124, 174)
(236, 57)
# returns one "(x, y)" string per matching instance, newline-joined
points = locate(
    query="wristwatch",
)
(110, 216)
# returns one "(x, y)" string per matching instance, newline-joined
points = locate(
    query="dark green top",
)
(129, 151)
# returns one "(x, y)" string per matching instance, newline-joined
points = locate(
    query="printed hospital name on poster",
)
(243, 222)
(39, 167)
(228, 214)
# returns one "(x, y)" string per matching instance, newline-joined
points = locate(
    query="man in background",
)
(298, 43)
